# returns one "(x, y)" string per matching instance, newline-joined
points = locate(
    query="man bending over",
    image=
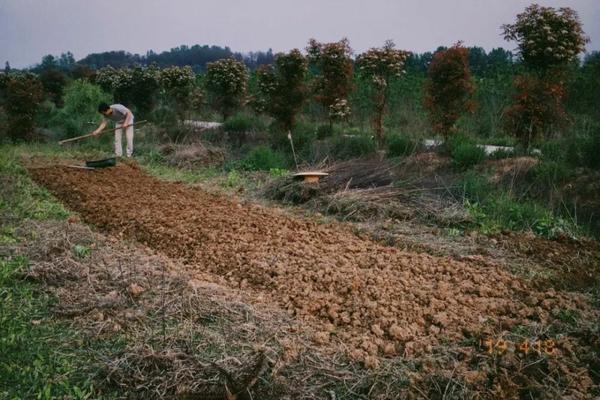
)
(122, 117)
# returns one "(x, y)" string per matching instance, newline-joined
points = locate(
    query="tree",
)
(582, 94)
(547, 38)
(379, 67)
(499, 60)
(548, 41)
(81, 71)
(134, 87)
(6, 67)
(281, 87)
(449, 88)
(24, 93)
(226, 82)
(48, 61)
(332, 66)
(537, 106)
(177, 86)
(80, 107)
(478, 60)
(66, 61)
(54, 82)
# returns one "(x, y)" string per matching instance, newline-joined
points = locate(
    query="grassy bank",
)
(41, 356)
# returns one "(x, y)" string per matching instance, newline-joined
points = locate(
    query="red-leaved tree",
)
(449, 89)
(548, 40)
(537, 106)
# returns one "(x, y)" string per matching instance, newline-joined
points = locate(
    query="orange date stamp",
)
(501, 346)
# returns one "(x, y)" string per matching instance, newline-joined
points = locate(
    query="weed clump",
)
(401, 146)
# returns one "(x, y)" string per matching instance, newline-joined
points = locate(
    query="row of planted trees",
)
(548, 41)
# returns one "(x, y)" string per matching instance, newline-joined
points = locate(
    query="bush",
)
(239, 126)
(464, 152)
(352, 146)
(551, 172)
(263, 158)
(303, 135)
(324, 131)
(241, 123)
(591, 152)
(399, 146)
(500, 154)
(474, 187)
(80, 107)
(578, 151)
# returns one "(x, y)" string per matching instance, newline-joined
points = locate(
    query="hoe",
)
(107, 162)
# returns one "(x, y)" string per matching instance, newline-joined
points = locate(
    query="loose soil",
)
(377, 301)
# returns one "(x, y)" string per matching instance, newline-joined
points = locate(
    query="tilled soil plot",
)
(378, 300)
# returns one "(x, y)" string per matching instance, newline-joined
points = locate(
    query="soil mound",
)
(376, 299)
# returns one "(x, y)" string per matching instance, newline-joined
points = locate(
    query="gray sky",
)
(30, 29)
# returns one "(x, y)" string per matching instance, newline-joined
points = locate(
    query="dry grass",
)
(372, 189)
(183, 334)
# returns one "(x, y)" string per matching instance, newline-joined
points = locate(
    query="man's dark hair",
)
(102, 107)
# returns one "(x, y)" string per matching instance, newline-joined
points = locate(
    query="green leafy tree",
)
(281, 87)
(332, 66)
(449, 89)
(81, 71)
(134, 87)
(178, 87)
(547, 38)
(584, 87)
(379, 67)
(80, 107)
(54, 82)
(226, 82)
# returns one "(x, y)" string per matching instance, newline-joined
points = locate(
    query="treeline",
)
(195, 56)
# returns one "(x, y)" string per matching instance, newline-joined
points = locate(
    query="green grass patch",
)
(40, 357)
(153, 163)
(494, 210)
(263, 158)
(20, 197)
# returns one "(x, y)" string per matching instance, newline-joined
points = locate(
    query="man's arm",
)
(100, 128)
(128, 118)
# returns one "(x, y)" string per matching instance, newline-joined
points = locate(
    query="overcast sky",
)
(30, 29)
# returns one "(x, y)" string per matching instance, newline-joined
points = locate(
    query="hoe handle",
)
(99, 133)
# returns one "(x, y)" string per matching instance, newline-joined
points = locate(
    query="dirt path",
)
(376, 299)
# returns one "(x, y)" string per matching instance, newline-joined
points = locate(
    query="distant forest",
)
(195, 56)
(198, 56)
